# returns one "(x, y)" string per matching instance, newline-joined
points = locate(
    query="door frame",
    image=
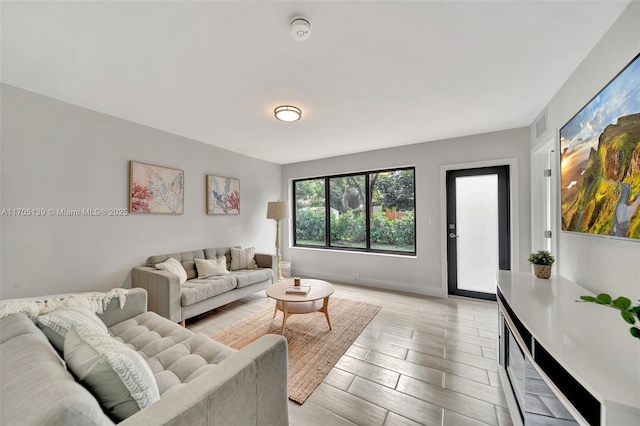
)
(514, 214)
(504, 229)
(539, 156)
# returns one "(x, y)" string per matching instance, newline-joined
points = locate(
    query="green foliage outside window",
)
(395, 190)
(310, 226)
(349, 230)
(388, 198)
(397, 233)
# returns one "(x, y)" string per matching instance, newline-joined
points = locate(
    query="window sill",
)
(347, 251)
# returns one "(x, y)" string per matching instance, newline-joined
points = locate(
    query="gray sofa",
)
(201, 382)
(180, 302)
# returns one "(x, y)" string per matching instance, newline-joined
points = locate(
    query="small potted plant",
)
(542, 261)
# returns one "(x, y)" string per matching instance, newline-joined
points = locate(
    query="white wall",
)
(421, 274)
(57, 155)
(601, 265)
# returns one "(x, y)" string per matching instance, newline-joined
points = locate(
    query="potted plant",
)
(542, 261)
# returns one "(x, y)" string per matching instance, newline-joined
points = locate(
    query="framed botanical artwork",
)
(155, 189)
(223, 195)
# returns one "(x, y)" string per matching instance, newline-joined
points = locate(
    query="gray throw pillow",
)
(243, 258)
(115, 374)
(56, 324)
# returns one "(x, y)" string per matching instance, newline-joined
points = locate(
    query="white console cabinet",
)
(583, 352)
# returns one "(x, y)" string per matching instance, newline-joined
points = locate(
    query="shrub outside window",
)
(371, 211)
(310, 224)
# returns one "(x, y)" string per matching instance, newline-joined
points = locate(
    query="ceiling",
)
(372, 75)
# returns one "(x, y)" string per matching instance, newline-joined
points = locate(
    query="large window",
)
(370, 211)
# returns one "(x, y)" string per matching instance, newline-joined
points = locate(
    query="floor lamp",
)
(278, 210)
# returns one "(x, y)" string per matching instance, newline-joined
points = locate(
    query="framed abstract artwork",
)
(155, 189)
(600, 161)
(223, 195)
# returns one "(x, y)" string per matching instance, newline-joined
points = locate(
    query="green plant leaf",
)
(628, 317)
(635, 332)
(622, 303)
(635, 310)
(588, 298)
(603, 299)
(542, 257)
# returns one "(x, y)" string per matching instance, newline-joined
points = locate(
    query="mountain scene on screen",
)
(600, 161)
(605, 196)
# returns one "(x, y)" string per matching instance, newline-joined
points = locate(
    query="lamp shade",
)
(277, 210)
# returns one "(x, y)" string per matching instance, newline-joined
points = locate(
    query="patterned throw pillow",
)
(243, 258)
(116, 375)
(56, 324)
(174, 267)
(211, 267)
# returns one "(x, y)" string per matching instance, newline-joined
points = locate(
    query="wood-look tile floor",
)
(422, 360)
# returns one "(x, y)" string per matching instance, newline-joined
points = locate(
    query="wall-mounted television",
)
(600, 161)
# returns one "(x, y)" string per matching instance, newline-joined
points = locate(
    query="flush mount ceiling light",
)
(287, 113)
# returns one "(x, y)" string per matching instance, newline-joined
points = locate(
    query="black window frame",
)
(327, 210)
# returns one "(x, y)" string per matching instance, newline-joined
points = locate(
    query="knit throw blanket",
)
(95, 302)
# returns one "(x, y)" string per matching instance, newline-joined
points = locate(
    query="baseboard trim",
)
(369, 282)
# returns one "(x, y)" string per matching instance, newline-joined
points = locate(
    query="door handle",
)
(452, 235)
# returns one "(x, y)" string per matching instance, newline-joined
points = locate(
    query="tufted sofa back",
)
(187, 258)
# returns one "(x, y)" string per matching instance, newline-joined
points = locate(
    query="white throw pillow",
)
(116, 375)
(243, 258)
(174, 267)
(211, 267)
(56, 324)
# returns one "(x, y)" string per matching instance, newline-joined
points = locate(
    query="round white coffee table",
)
(317, 300)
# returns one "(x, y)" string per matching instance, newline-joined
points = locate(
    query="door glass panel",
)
(477, 230)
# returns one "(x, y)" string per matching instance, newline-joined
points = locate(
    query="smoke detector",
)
(300, 29)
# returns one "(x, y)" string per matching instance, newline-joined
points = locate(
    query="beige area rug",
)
(313, 349)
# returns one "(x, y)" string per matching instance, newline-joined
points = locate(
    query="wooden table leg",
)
(275, 311)
(285, 313)
(325, 309)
